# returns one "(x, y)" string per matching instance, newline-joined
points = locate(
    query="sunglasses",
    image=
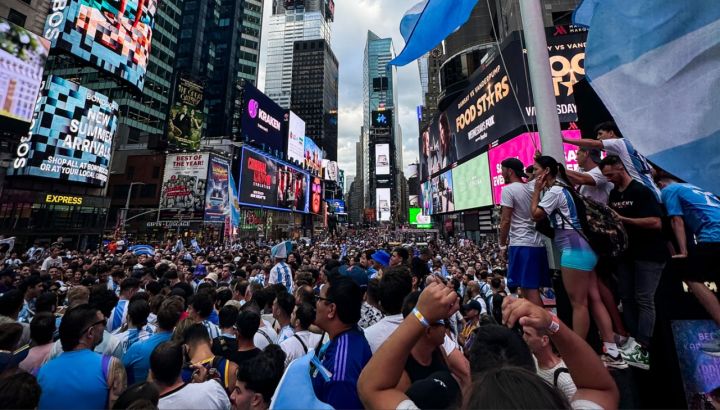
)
(326, 300)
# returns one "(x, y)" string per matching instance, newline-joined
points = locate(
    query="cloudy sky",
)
(349, 33)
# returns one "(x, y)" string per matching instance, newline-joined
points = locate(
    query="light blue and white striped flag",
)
(142, 250)
(427, 24)
(656, 66)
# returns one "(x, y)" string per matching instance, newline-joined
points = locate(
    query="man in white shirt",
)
(303, 340)
(282, 310)
(527, 258)
(53, 260)
(394, 286)
(549, 365)
(594, 184)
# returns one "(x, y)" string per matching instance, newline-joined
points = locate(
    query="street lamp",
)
(127, 203)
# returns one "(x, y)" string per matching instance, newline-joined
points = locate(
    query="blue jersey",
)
(699, 209)
(345, 357)
(137, 358)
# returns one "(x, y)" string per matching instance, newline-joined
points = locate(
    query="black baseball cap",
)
(438, 391)
(516, 165)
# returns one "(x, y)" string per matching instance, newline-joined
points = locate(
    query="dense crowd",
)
(368, 318)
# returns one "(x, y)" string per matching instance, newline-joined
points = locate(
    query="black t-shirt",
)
(417, 371)
(224, 346)
(238, 357)
(637, 201)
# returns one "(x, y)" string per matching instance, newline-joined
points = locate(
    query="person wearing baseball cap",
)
(519, 241)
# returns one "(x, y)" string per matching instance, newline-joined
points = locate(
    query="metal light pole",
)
(541, 79)
(127, 203)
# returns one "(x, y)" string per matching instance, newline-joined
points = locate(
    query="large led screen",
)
(336, 206)
(313, 157)
(471, 181)
(71, 135)
(184, 185)
(330, 170)
(383, 204)
(418, 220)
(115, 35)
(382, 159)
(443, 193)
(426, 198)
(296, 138)
(262, 121)
(316, 195)
(267, 183)
(186, 115)
(217, 195)
(22, 58)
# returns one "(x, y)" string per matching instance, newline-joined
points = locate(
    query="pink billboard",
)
(523, 147)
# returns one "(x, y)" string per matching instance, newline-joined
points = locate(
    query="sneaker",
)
(637, 357)
(621, 341)
(614, 362)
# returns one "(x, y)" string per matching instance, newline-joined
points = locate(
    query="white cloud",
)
(349, 33)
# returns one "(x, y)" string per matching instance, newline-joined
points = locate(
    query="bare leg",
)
(533, 295)
(611, 305)
(707, 299)
(576, 283)
(599, 313)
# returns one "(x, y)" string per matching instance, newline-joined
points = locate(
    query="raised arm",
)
(580, 178)
(584, 143)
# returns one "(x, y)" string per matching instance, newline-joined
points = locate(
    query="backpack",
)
(601, 227)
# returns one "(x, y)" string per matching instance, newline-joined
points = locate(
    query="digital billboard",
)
(268, 183)
(471, 181)
(22, 58)
(71, 135)
(184, 185)
(383, 204)
(330, 170)
(113, 35)
(382, 119)
(186, 115)
(443, 193)
(261, 121)
(522, 147)
(382, 159)
(217, 202)
(313, 157)
(418, 220)
(424, 147)
(336, 206)
(426, 198)
(296, 138)
(316, 195)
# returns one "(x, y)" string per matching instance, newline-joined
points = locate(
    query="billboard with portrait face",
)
(22, 58)
(296, 138)
(71, 135)
(186, 115)
(268, 183)
(383, 204)
(217, 203)
(330, 170)
(443, 194)
(184, 185)
(382, 159)
(316, 195)
(114, 35)
(261, 121)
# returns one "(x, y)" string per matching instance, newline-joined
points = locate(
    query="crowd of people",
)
(359, 321)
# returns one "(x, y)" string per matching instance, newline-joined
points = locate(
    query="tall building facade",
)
(220, 46)
(291, 21)
(315, 92)
(29, 14)
(380, 124)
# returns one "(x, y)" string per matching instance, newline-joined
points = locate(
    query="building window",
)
(16, 17)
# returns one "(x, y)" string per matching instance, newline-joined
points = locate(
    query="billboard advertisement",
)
(113, 35)
(443, 193)
(426, 198)
(698, 359)
(313, 157)
(330, 170)
(267, 183)
(217, 200)
(382, 159)
(22, 58)
(71, 135)
(184, 185)
(261, 121)
(186, 115)
(418, 220)
(472, 185)
(383, 204)
(382, 119)
(316, 195)
(336, 206)
(296, 138)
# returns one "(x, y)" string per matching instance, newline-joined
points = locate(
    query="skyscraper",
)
(291, 21)
(379, 121)
(315, 92)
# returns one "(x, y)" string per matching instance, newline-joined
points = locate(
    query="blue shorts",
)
(575, 252)
(528, 267)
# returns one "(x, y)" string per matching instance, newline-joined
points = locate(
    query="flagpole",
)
(541, 79)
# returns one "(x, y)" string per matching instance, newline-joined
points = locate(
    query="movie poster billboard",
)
(383, 204)
(186, 115)
(184, 186)
(70, 137)
(382, 159)
(696, 344)
(472, 185)
(261, 121)
(313, 157)
(267, 183)
(296, 138)
(217, 201)
(113, 35)
(22, 58)
(443, 193)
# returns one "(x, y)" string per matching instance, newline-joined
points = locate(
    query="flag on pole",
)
(654, 64)
(427, 24)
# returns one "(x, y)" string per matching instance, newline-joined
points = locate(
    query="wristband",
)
(502, 248)
(554, 326)
(420, 317)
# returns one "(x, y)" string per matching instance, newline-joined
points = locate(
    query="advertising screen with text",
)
(418, 220)
(265, 182)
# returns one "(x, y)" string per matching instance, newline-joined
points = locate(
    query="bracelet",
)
(554, 326)
(502, 248)
(420, 317)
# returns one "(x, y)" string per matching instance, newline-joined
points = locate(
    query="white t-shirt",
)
(285, 333)
(559, 199)
(564, 382)
(522, 228)
(294, 349)
(51, 262)
(635, 163)
(378, 333)
(601, 191)
(260, 341)
(209, 395)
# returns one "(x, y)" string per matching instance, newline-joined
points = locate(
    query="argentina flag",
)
(427, 23)
(142, 250)
(656, 66)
